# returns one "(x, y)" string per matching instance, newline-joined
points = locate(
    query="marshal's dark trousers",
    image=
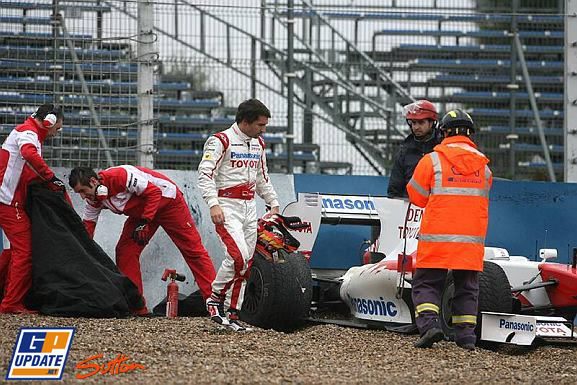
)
(427, 289)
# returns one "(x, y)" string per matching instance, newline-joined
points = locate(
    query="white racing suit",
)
(232, 169)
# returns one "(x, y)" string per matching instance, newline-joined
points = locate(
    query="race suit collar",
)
(241, 135)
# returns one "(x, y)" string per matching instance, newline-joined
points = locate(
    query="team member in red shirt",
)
(21, 164)
(149, 199)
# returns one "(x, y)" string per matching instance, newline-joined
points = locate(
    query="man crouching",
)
(149, 199)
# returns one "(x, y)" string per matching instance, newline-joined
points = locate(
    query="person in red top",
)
(452, 183)
(21, 164)
(149, 199)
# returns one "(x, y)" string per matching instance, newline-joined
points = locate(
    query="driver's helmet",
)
(274, 241)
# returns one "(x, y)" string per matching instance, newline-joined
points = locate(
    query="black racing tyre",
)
(494, 295)
(278, 295)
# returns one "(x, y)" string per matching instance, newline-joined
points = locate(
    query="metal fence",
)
(45, 61)
(352, 66)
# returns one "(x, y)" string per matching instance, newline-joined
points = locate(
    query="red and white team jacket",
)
(133, 191)
(21, 162)
(233, 162)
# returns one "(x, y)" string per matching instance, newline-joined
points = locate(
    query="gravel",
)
(195, 351)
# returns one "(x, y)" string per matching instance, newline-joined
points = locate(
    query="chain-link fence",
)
(85, 58)
(353, 65)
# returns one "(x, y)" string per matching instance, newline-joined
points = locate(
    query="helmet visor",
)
(421, 109)
(412, 108)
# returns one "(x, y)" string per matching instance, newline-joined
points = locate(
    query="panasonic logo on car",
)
(513, 325)
(348, 204)
(374, 306)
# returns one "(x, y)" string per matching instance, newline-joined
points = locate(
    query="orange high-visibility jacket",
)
(453, 184)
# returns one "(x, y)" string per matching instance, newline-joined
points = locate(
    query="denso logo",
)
(348, 203)
(514, 325)
(375, 306)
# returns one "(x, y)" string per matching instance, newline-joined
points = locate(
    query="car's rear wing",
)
(317, 209)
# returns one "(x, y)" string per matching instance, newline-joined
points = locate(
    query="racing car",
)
(519, 299)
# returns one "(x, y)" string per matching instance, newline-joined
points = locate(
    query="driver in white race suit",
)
(233, 168)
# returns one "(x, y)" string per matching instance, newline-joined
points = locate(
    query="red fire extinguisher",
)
(172, 291)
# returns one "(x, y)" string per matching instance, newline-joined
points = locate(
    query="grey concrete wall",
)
(161, 253)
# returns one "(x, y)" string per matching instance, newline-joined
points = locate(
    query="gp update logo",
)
(40, 353)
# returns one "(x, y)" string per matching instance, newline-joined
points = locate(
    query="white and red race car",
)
(520, 299)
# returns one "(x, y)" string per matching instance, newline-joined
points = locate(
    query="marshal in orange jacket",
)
(453, 184)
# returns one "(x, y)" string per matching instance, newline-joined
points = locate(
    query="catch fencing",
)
(335, 75)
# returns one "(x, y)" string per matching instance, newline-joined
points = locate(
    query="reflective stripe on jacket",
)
(453, 184)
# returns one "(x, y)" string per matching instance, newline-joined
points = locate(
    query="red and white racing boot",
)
(216, 312)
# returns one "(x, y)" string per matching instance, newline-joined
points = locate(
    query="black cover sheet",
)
(191, 306)
(71, 274)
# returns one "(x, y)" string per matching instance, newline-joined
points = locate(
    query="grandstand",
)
(353, 69)
(467, 59)
(37, 67)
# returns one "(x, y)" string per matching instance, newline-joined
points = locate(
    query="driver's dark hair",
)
(250, 110)
(81, 175)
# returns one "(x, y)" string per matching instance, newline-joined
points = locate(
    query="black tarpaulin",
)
(71, 274)
(188, 306)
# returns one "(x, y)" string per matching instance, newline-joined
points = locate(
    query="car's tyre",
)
(278, 295)
(494, 295)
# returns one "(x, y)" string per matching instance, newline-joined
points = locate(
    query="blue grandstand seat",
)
(180, 137)
(484, 63)
(19, 116)
(180, 153)
(11, 81)
(303, 156)
(484, 96)
(41, 35)
(37, 66)
(195, 120)
(22, 51)
(210, 123)
(525, 147)
(496, 79)
(556, 166)
(522, 130)
(422, 16)
(94, 7)
(495, 112)
(176, 103)
(475, 33)
(504, 48)
(68, 100)
(25, 20)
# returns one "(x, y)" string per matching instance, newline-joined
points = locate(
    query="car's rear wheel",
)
(494, 296)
